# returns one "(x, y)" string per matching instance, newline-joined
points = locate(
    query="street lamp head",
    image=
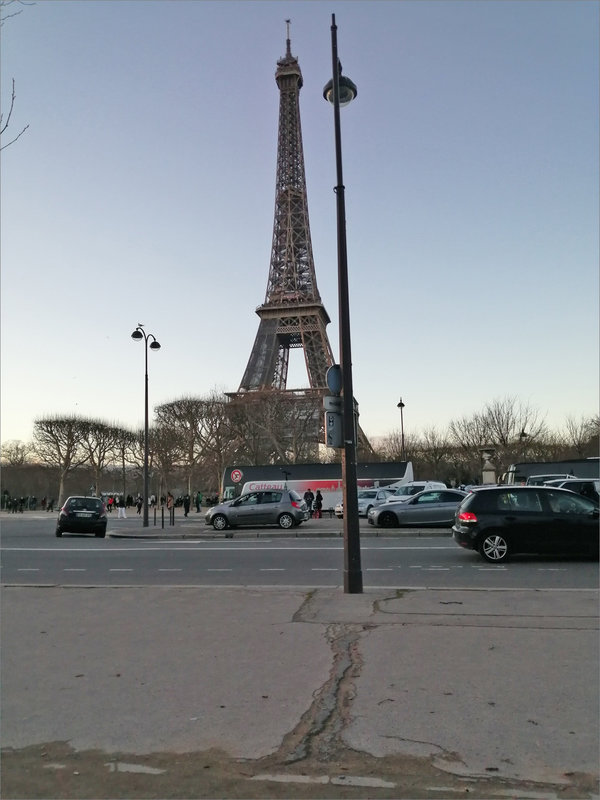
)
(137, 334)
(154, 345)
(348, 90)
(400, 404)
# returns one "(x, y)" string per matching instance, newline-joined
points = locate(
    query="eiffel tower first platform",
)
(292, 314)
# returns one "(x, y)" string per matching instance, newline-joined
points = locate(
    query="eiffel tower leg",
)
(265, 368)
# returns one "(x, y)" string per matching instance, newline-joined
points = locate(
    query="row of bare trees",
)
(512, 431)
(192, 439)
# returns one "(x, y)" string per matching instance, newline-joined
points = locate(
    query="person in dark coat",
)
(308, 499)
(318, 504)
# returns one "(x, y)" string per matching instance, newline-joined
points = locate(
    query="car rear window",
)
(504, 500)
(85, 504)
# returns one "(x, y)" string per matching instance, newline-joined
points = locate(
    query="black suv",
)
(503, 520)
(82, 515)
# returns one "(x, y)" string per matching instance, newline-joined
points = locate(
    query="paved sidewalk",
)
(282, 692)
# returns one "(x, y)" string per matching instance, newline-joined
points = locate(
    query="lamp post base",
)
(353, 582)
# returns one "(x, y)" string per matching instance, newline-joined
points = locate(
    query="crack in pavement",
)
(318, 733)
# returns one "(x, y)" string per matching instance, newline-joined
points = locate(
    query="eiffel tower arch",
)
(292, 314)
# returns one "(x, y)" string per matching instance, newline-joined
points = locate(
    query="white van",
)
(406, 491)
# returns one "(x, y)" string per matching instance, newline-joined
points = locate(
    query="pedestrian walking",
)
(121, 507)
(198, 502)
(186, 505)
(308, 499)
(318, 504)
(110, 502)
(171, 507)
(138, 504)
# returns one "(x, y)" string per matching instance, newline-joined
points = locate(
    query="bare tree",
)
(436, 447)
(8, 9)
(16, 452)
(218, 446)
(99, 440)
(58, 441)
(184, 419)
(277, 427)
(128, 449)
(578, 434)
(165, 454)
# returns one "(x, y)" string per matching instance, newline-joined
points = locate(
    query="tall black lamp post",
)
(140, 333)
(402, 451)
(340, 91)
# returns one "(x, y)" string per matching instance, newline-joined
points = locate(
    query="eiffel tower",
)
(292, 314)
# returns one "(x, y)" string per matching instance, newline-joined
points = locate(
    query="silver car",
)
(274, 507)
(367, 499)
(434, 507)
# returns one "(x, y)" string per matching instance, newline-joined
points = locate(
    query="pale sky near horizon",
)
(143, 191)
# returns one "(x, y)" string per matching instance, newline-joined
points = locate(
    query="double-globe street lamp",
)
(138, 334)
(340, 91)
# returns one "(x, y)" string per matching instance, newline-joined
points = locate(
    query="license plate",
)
(84, 513)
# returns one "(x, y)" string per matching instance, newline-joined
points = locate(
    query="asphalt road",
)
(162, 670)
(32, 555)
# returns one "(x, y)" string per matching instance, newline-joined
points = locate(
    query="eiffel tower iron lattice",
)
(292, 314)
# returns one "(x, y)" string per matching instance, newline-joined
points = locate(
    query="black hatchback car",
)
(82, 515)
(503, 520)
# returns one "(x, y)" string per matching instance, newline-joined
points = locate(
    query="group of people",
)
(314, 503)
(119, 502)
(17, 505)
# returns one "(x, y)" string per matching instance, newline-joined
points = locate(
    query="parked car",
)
(540, 480)
(432, 508)
(82, 515)
(586, 487)
(367, 499)
(414, 487)
(275, 507)
(504, 520)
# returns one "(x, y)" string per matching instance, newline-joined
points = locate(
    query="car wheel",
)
(219, 522)
(388, 520)
(286, 521)
(494, 548)
(59, 532)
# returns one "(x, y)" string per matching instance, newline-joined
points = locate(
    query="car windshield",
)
(366, 495)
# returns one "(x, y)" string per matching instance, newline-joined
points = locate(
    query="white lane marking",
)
(28, 569)
(219, 569)
(74, 569)
(324, 569)
(272, 569)
(379, 569)
(153, 546)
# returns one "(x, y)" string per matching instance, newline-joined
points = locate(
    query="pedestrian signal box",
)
(333, 429)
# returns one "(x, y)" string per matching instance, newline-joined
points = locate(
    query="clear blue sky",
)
(143, 191)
